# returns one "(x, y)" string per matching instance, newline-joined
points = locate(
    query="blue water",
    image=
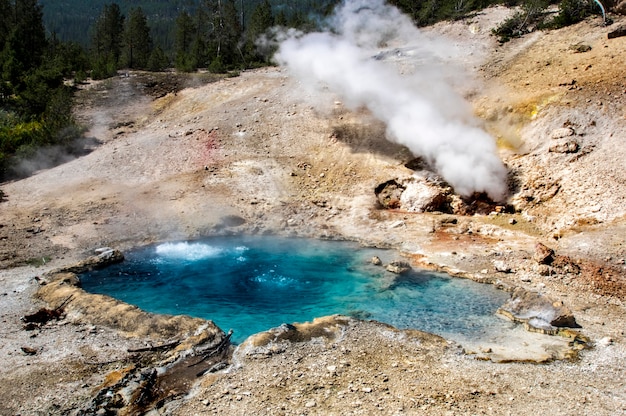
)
(251, 284)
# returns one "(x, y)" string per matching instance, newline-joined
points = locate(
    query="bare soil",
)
(254, 154)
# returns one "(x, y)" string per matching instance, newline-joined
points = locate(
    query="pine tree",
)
(199, 45)
(35, 105)
(158, 61)
(261, 19)
(107, 41)
(232, 34)
(137, 40)
(6, 11)
(223, 43)
(186, 33)
(27, 39)
(280, 19)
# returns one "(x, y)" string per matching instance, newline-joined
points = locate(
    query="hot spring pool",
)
(251, 284)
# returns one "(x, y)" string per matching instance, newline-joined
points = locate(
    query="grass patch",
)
(38, 261)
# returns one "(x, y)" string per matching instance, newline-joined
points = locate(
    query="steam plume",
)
(421, 110)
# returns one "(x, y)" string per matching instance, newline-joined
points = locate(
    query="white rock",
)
(396, 224)
(606, 341)
(421, 196)
(501, 266)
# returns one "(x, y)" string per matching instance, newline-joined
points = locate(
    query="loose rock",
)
(569, 146)
(29, 350)
(562, 132)
(399, 267)
(501, 266)
(543, 254)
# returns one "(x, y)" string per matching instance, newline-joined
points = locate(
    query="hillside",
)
(71, 20)
(179, 158)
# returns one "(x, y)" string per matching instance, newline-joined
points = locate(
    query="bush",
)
(158, 61)
(104, 67)
(22, 135)
(573, 11)
(217, 66)
(58, 113)
(513, 27)
(186, 63)
(524, 21)
(17, 137)
(12, 137)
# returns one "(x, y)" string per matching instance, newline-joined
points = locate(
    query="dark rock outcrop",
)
(389, 193)
(620, 31)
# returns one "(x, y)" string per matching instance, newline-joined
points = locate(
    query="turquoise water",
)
(251, 284)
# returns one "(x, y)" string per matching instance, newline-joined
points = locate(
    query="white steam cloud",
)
(421, 110)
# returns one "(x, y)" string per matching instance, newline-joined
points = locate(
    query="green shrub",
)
(18, 137)
(513, 27)
(530, 16)
(104, 67)
(573, 11)
(217, 66)
(158, 61)
(12, 137)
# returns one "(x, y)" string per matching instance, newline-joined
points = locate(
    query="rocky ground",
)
(182, 158)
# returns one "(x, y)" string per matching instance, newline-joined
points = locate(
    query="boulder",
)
(580, 48)
(538, 312)
(389, 193)
(620, 31)
(422, 192)
(424, 196)
(376, 261)
(418, 164)
(565, 146)
(543, 254)
(399, 267)
(562, 132)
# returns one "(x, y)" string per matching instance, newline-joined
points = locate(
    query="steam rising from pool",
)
(251, 284)
(187, 251)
